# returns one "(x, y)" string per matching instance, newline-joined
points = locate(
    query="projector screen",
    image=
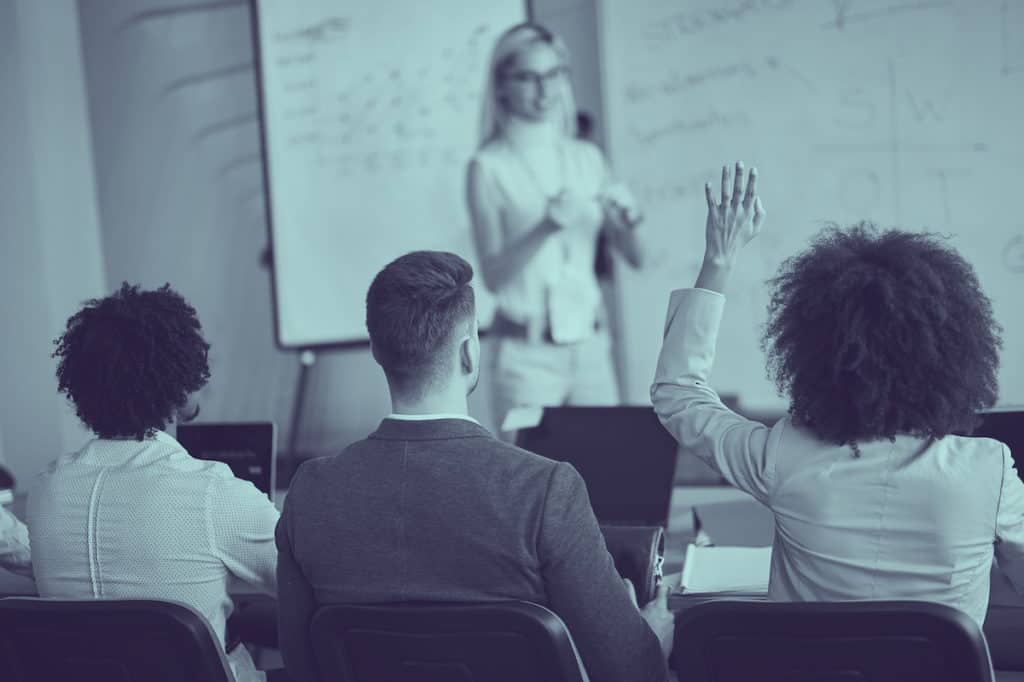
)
(369, 113)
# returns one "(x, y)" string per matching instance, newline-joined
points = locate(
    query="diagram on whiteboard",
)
(396, 115)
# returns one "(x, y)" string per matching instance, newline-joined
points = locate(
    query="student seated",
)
(432, 507)
(131, 515)
(885, 345)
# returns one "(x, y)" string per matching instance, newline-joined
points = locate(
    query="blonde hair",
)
(492, 115)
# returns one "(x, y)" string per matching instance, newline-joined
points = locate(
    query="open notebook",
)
(726, 570)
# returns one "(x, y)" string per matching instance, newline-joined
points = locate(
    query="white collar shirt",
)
(127, 519)
(430, 417)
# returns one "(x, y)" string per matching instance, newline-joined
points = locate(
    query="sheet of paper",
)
(726, 569)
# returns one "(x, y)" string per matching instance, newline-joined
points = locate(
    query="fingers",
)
(725, 186)
(759, 214)
(707, 194)
(737, 185)
(661, 596)
(751, 193)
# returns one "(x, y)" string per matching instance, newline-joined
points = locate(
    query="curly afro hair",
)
(873, 334)
(129, 360)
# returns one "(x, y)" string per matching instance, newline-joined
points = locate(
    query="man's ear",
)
(468, 359)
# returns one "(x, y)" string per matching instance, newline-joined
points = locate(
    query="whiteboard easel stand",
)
(307, 358)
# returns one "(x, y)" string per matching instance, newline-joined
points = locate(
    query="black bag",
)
(639, 553)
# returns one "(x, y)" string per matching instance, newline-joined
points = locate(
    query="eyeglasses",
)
(538, 79)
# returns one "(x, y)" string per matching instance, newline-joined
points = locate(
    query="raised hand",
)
(735, 219)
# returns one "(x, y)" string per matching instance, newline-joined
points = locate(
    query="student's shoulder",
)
(54, 466)
(316, 470)
(516, 458)
(977, 450)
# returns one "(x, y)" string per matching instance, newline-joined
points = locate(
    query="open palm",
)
(735, 219)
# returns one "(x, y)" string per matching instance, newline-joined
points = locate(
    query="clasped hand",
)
(620, 207)
(572, 210)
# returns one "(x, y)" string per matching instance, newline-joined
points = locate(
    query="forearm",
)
(687, 405)
(504, 265)
(626, 242)
(714, 274)
(585, 590)
(15, 553)
(295, 611)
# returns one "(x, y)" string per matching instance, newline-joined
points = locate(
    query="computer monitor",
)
(249, 449)
(1006, 425)
(624, 454)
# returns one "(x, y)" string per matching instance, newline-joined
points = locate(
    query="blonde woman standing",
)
(539, 198)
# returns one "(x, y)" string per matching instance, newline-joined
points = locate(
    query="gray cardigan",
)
(441, 510)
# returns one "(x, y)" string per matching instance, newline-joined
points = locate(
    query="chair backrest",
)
(874, 641)
(109, 640)
(428, 642)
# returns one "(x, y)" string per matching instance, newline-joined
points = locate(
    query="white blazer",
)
(905, 520)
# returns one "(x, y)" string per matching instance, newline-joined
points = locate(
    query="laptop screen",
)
(249, 449)
(624, 454)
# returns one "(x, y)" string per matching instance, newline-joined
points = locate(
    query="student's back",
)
(125, 519)
(439, 510)
(904, 520)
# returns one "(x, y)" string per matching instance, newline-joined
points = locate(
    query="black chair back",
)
(425, 642)
(893, 641)
(42, 640)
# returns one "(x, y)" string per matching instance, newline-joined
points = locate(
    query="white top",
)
(124, 519)
(516, 175)
(902, 521)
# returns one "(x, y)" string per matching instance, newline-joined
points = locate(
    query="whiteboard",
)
(370, 113)
(902, 112)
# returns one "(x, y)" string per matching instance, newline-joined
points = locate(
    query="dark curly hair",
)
(129, 360)
(877, 333)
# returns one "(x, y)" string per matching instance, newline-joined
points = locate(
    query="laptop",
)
(249, 449)
(1006, 425)
(625, 455)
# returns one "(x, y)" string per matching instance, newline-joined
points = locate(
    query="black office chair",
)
(894, 641)
(507, 641)
(110, 640)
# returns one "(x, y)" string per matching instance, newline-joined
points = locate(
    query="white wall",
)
(50, 254)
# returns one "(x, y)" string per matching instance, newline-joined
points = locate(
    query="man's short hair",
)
(414, 308)
(129, 360)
